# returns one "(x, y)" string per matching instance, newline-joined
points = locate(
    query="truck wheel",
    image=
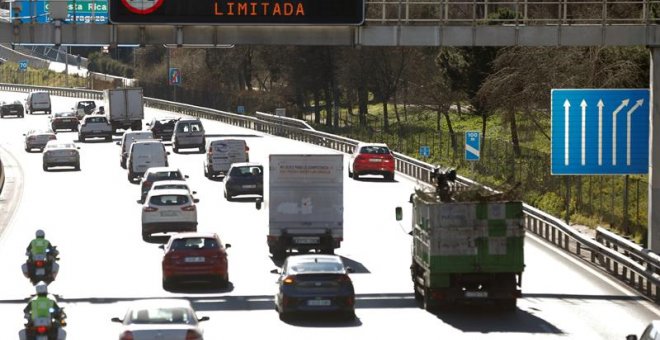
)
(350, 174)
(418, 295)
(108, 138)
(329, 251)
(427, 303)
(278, 253)
(508, 305)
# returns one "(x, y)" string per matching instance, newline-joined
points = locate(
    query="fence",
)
(546, 226)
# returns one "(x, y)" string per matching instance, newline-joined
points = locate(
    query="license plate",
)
(477, 295)
(375, 160)
(195, 259)
(318, 302)
(168, 213)
(42, 337)
(250, 186)
(306, 240)
(41, 271)
(96, 131)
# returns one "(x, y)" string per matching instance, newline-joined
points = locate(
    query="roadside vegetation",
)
(9, 73)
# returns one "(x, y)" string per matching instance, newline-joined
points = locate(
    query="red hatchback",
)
(371, 159)
(195, 257)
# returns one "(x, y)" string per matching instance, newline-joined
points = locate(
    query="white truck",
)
(305, 203)
(124, 107)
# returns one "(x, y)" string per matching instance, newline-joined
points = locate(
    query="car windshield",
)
(194, 243)
(86, 105)
(316, 267)
(162, 175)
(169, 200)
(170, 186)
(246, 171)
(378, 150)
(162, 316)
(96, 120)
(190, 127)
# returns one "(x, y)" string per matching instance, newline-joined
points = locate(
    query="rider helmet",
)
(41, 288)
(40, 234)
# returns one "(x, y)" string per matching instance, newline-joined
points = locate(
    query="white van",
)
(145, 154)
(127, 139)
(222, 153)
(37, 101)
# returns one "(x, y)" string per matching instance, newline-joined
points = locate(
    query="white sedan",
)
(166, 319)
(168, 210)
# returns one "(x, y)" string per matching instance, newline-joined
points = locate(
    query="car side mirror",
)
(275, 271)
(77, 147)
(168, 153)
(118, 143)
(186, 176)
(631, 337)
(194, 192)
(162, 246)
(148, 124)
(228, 245)
(204, 318)
(23, 134)
(116, 320)
(398, 212)
(258, 202)
(350, 269)
(196, 200)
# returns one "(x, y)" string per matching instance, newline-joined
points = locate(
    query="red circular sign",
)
(142, 6)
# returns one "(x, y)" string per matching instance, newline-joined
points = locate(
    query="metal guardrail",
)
(629, 249)
(638, 271)
(2, 176)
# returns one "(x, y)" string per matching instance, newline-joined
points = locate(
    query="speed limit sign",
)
(142, 6)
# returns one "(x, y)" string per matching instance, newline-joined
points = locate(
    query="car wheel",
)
(349, 316)
(283, 316)
(356, 175)
(201, 148)
(77, 167)
(228, 197)
(45, 167)
(350, 174)
(389, 177)
(27, 149)
(108, 138)
(222, 282)
(175, 148)
(81, 138)
(131, 176)
(167, 284)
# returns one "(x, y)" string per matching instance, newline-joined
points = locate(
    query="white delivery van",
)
(222, 153)
(127, 139)
(38, 101)
(145, 154)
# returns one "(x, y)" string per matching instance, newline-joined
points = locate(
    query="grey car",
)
(37, 139)
(188, 133)
(61, 154)
(315, 283)
(244, 179)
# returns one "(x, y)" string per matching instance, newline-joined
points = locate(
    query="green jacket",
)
(39, 246)
(41, 307)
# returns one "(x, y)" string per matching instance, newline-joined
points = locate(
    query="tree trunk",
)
(450, 129)
(363, 108)
(484, 124)
(317, 107)
(328, 106)
(335, 100)
(396, 110)
(458, 109)
(514, 133)
(386, 125)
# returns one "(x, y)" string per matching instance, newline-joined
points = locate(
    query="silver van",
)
(222, 153)
(188, 133)
(145, 154)
(38, 101)
(127, 139)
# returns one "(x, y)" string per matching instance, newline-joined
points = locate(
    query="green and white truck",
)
(466, 251)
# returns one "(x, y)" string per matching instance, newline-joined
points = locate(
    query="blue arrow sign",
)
(472, 145)
(174, 76)
(425, 151)
(22, 65)
(600, 131)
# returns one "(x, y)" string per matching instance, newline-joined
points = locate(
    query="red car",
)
(371, 159)
(195, 257)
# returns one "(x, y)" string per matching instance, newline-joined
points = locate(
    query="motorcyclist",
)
(42, 306)
(40, 246)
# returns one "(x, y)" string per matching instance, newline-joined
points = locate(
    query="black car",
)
(85, 107)
(11, 109)
(64, 121)
(315, 283)
(162, 128)
(244, 179)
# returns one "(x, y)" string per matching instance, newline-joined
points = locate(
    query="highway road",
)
(93, 218)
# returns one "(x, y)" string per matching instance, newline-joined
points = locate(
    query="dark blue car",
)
(315, 283)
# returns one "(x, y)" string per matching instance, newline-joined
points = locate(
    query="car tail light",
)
(31, 138)
(361, 158)
(247, 148)
(350, 301)
(147, 184)
(189, 208)
(343, 279)
(127, 335)
(42, 329)
(193, 335)
(51, 137)
(39, 264)
(289, 280)
(149, 209)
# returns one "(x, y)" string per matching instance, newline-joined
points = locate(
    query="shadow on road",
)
(200, 288)
(231, 135)
(476, 319)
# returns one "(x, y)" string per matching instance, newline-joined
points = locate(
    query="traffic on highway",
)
(178, 252)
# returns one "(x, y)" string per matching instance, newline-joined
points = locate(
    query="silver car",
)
(37, 139)
(172, 319)
(61, 154)
(188, 133)
(94, 126)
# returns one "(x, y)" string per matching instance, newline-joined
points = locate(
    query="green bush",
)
(103, 63)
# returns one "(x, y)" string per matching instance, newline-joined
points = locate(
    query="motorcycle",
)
(49, 328)
(41, 267)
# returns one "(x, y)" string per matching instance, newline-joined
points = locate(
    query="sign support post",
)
(654, 155)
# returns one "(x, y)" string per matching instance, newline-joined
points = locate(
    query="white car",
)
(169, 210)
(172, 319)
(172, 184)
(58, 153)
(94, 126)
(156, 174)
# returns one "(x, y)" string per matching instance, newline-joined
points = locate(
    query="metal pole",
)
(66, 66)
(567, 217)
(626, 227)
(654, 154)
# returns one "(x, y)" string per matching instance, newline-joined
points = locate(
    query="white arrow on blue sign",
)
(600, 131)
(425, 151)
(472, 145)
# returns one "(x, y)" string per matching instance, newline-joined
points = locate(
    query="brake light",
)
(289, 280)
(127, 335)
(42, 329)
(343, 279)
(149, 209)
(39, 263)
(51, 137)
(189, 208)
(361, 158)
(31, 138)
(247, 148)
(147, 184)
(193, 335)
